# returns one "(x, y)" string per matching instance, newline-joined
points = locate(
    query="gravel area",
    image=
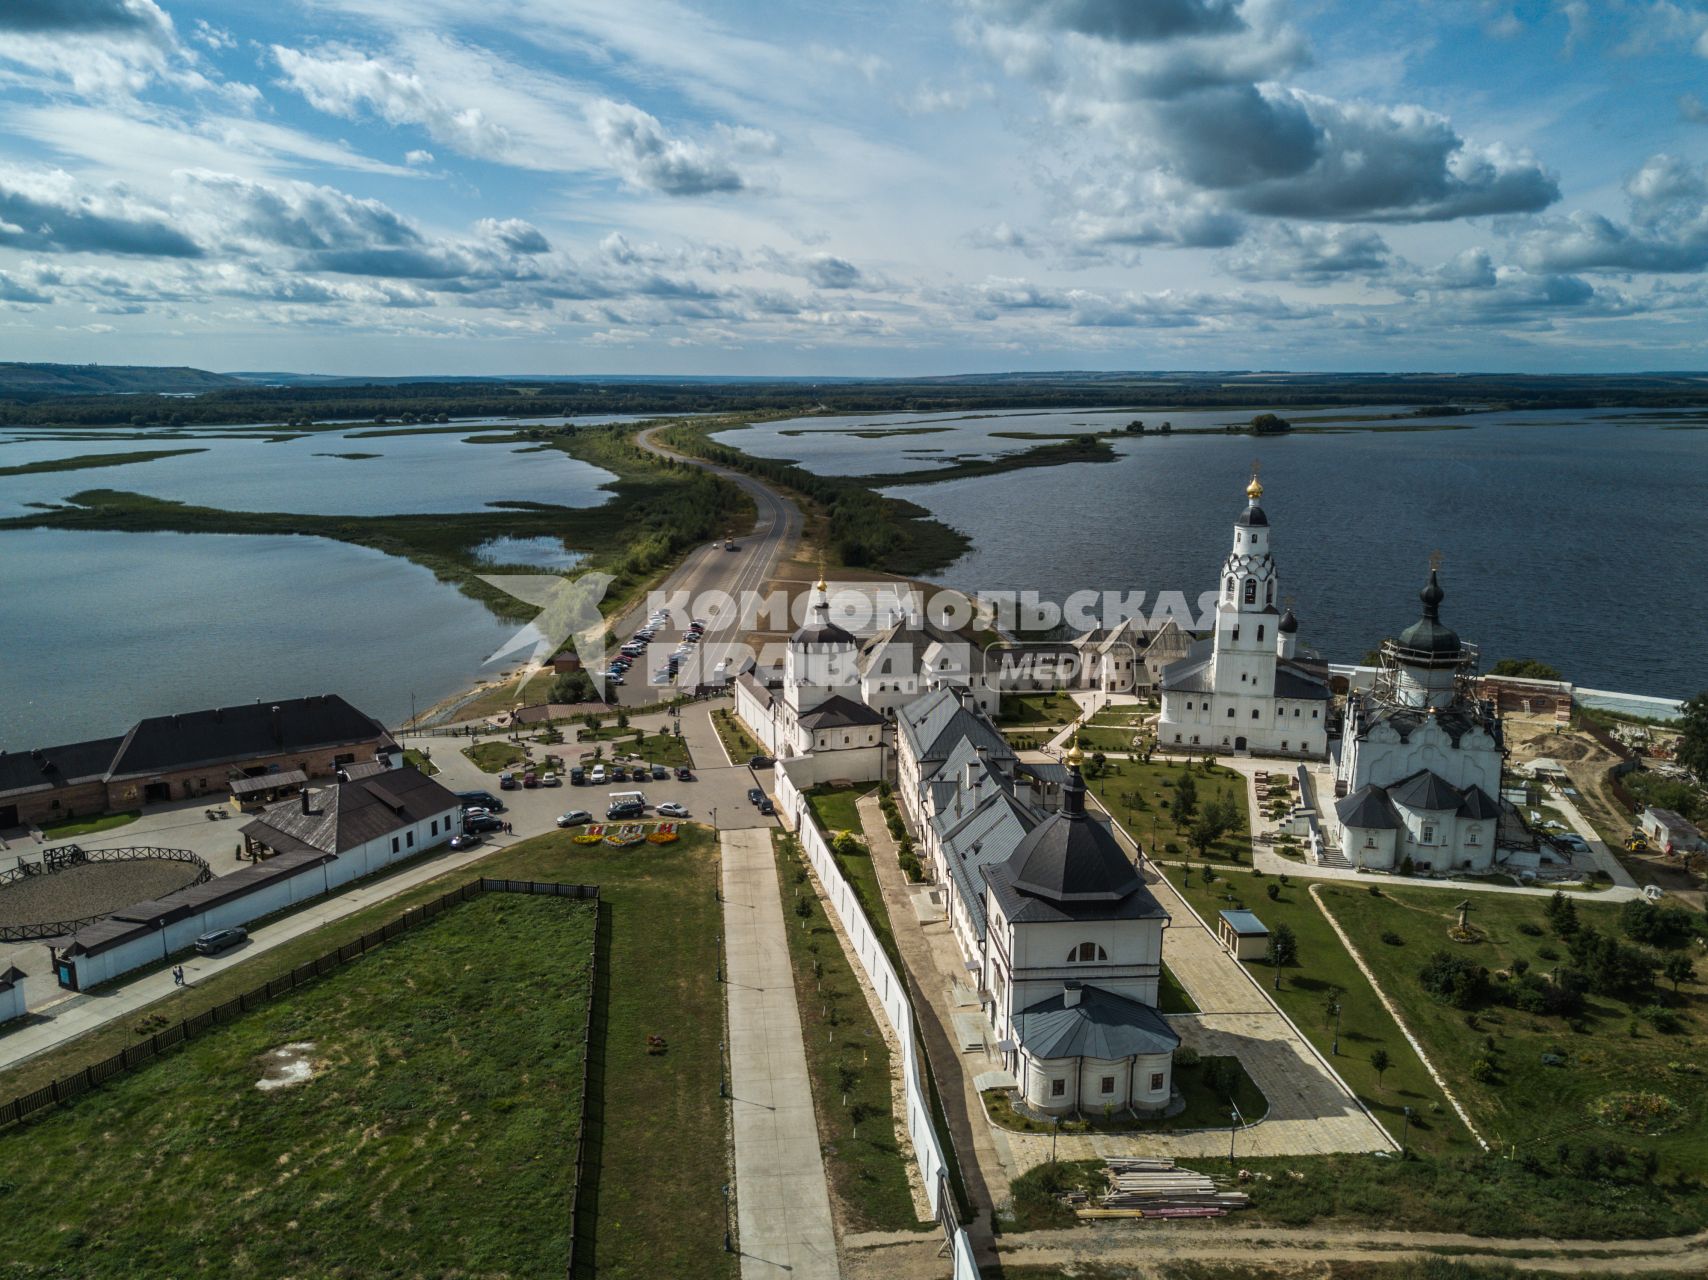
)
(92, 889)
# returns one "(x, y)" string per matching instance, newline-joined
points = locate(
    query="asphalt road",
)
(773, 538)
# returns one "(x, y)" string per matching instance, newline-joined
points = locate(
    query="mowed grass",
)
(1526, 1102)
(443, 1113)
(657, 1127)
(496, 757)
(1037, 709)
(1322, 968)
(848, 1061)
(834, 808)
(1142, 797)
(89, 826)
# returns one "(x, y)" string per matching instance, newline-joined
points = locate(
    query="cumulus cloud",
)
(1192, 89)
(1310, 254)
(417, 158)
(1667, 230)
(140, 18)
(344, 82)
(514, 235)
(647, 158)
(49, 210)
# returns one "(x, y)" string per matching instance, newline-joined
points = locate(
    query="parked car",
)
(597, 777)
(660, 773)
(574, 818)
(550, 780)
(507, 782)
(765, 806)
(577, 776)
(467, 840)
(670, 809)
(684, 773)
(530, 780)
(211, 944)
(754, 795)
(476, 823)
(619, 774)
(759, 762)
(481, 800)
(625, 809)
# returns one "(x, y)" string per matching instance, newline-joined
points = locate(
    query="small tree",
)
(1283, 946)
(803, 909)
(1677, 968)
(1185, 795)
(1380, 1062)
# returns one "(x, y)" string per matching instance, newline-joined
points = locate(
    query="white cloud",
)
(647, 158)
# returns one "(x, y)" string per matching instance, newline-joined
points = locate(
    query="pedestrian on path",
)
(177, 975)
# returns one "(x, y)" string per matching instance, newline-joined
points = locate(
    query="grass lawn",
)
(847, 1059)
(1206, 1107)
(420, 761)
(1171, 996)
(496, 757)
(1123, 714)
(1108, 738)
(740, 744)
(1141, 797)
(654, 748)
(1618, 1050)
(1306, 986)
(447, 1095)
(834, 807)
(1037, 708)
(657, 1198)
(88, 826)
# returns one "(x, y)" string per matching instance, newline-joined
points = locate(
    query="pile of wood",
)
(1142, 1188)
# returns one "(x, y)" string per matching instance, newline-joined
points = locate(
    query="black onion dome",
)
(1252, 515)
(1288, 624)
(1429, 636)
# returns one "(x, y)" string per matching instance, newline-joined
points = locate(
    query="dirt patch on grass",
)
(288, 1066)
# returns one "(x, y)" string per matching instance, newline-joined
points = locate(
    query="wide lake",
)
(1574, 537)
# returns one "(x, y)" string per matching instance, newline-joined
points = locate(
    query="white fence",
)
(898, 1010)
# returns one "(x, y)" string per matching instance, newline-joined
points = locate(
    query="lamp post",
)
(1405, 1132)
(729, 1245)
(1334, 1049)
(1233, 1129)
(1055, 1128)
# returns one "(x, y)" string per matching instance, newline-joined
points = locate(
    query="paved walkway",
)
(79, 1014)
(782, 1199)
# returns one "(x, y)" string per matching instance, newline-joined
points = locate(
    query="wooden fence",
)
(64, 857)
(68, 1087)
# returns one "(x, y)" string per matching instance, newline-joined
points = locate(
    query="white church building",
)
(1420, 758)
(1246, 688)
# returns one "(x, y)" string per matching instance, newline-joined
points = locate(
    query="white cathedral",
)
(1246, 688)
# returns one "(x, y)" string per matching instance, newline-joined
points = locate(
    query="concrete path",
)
(79, 1014)
(782, 1199)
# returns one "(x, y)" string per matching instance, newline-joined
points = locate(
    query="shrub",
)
(1393, 939)
(1274, 892)
(1456, 980)
(1530, 930)
(1186, 1057)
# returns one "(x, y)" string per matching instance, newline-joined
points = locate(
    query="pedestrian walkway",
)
(782, 1199)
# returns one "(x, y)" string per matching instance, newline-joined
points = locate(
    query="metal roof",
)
(1245, 924)
(1101, 1025)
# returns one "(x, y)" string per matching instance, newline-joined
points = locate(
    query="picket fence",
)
(898, 1012)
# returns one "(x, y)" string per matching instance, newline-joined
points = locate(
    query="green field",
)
(1142, 798)
(636, 744)
(442, 1110)
(88, 826)
(1037, 709)
(655, 1201)
(1617, 1049)
(834, 808)
(496, 757)
(847, 1060)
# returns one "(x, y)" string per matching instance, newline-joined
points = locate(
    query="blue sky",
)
(854, 186)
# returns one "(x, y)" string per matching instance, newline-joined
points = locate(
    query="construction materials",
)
(1155, 1188)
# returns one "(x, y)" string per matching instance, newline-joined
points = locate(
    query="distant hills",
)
(27, 381)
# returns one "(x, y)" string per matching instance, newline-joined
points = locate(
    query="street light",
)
(1233, 1129)
(729, 1245)
(1404, 1132)
(1334, 1049)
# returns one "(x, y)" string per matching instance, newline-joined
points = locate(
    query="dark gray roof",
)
(1428, 640)
(1071, 857)
(1295, 680)
(1426, 791)
(1368, 809)
(222, 735)
(348, 814)
(1102, 1025)
(1479, 804)
(933, 724)
(1191, 674)
(837, 712)
(1288, 623)
(1252, 515)
(268, 781)
(819, 629)
(23, 771)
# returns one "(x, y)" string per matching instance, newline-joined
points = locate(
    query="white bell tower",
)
(1247, 619)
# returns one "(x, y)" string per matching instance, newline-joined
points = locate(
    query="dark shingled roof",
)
(348, 814)
(837, 712)
(1479, 804)
(1368, 809)
(23, 771)
(1102, 1025)
(161, 744)
(1069, 857)
(1427, 791)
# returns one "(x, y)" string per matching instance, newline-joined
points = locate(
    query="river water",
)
(1573, 537)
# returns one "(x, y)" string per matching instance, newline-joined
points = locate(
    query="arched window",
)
(1086, 953)
(1229, 591)
(1269, 596)
(1254, 713)
(1251, 590)
(1230, 713)
(1260, 633)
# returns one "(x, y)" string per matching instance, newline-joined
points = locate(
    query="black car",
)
(765, 805)
(759, 762)
(476, 823)
(626, 809)
(754, 795)
(211, 944)
(577, 776)
(481, 800)
(684, 773)
(660, 773)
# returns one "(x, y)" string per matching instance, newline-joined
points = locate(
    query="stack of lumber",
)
(1157, 1189)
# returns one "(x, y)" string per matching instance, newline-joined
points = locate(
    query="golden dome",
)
(1075, 757)
(822, 585)
(1254, 490)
